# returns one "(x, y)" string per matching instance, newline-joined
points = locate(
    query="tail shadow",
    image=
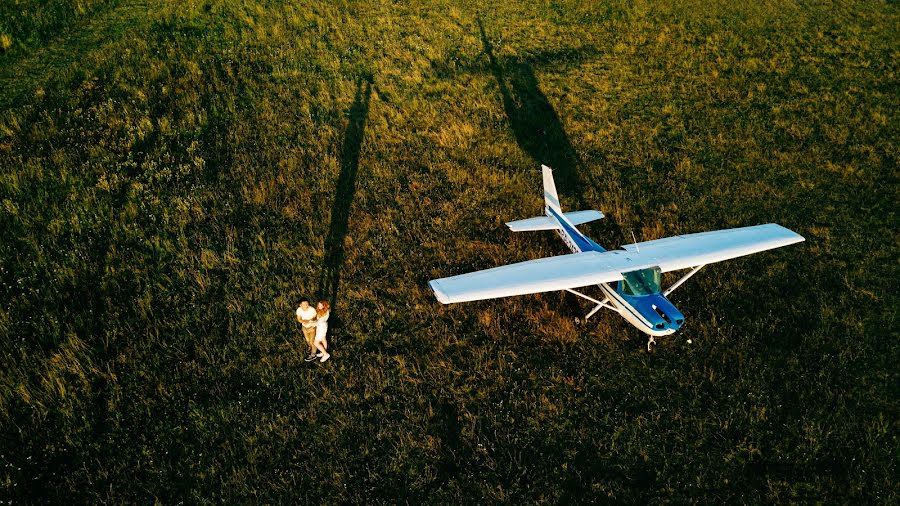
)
(534, 121)
(538, 130)
(329, 281)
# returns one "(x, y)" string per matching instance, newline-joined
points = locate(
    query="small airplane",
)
(636, 268)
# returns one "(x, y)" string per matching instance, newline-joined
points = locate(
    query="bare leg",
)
(322, 346)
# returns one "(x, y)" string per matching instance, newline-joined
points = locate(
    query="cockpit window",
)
(642, 282)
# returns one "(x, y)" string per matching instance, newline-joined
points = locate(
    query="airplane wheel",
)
(651, 345)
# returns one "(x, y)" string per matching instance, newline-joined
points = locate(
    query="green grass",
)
(175, 175)
(31, 23)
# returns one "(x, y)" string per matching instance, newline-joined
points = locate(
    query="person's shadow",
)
(330, 277)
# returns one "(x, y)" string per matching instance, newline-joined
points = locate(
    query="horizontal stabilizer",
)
(548, 223)
(532, 224)
(579, 217)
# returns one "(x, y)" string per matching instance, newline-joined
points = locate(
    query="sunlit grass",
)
(174, 177)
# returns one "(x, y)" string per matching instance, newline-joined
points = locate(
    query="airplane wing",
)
(534, 276)
(594, 267)
(685, 251)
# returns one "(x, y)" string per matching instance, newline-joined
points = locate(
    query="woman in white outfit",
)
(322, 313)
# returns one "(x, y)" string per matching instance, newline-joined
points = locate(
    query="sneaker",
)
(319, 355)
(310, 358)
(325, 357)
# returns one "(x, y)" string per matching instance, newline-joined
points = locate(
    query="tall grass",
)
(187, 171)
(28, 24)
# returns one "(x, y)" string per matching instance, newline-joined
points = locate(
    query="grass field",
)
(175, 175)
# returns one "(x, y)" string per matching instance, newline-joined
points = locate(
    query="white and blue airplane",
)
(636, 269)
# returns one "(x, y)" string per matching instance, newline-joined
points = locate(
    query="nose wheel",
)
(651, 344)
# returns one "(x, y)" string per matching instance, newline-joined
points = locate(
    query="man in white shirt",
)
(306, 315)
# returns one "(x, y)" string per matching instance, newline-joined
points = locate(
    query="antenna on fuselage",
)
(633, 238)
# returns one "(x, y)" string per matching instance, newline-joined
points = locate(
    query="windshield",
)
(642, 282)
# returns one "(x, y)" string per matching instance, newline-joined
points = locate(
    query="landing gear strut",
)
(600, 304)
(651, 343)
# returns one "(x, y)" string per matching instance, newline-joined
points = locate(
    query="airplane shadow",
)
(539, 132)
(534, 121)
(329, 281)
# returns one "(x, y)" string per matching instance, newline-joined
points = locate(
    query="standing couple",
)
(315, 326)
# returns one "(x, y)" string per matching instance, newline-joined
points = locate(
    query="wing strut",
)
(600, 303)
(682, 280)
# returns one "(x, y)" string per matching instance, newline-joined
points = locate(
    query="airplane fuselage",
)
(637, 298)
(630, 278)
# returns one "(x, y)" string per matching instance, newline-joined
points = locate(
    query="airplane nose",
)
(662, 314)
(667, 311)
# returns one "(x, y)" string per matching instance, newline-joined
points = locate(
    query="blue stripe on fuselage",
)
(582, 241)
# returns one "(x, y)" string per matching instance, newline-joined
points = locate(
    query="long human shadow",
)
(534, 121)
(329, 281)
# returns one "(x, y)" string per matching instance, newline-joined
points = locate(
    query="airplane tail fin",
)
(551, 199)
